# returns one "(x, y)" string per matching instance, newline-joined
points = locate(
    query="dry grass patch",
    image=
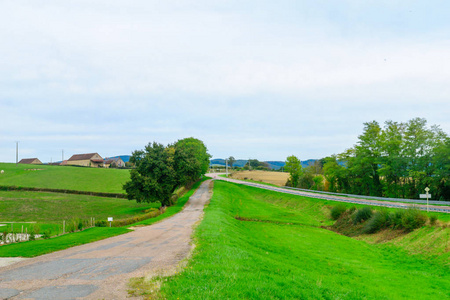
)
(277, 178)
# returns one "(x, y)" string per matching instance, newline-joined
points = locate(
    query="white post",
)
(427, 189)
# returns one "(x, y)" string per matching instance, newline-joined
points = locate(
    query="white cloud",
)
(150, 70)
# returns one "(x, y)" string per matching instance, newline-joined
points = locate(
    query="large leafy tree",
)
(154, 178)
(294, 167)
(191, 160)
(160, 170)
(399, 160)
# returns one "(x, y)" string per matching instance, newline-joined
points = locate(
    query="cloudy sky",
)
(253, 79)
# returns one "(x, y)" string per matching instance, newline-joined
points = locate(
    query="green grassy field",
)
(64, 177)
(281, 252)
(49, 210)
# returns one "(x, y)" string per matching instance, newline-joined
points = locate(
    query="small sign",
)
(110, 219)
(425, 196)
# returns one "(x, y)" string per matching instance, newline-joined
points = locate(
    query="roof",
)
(125, 158)
(82, 156)
(27, 160)
(111, 159)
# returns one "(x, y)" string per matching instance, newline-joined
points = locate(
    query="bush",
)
(433, 220)
(396, 218)
(46, 235)
(413, 219)
(379, 220)
(362, 215)
(337, 211)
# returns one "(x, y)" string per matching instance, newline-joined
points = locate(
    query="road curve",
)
(101, 270)
(436, 208)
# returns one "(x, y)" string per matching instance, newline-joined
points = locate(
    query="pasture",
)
(49, 210)
(276, 178)
(64, 177)
(256, 244)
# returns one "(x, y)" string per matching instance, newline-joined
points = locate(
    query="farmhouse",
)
(86, 160)
(32, 161)
(115, 162)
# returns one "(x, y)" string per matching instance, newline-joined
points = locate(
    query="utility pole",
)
(17, 152)
(62, 155)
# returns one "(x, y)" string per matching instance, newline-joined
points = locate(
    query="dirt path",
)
(101, 270)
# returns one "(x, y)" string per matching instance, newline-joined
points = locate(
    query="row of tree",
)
(160, 169)
(398, 160)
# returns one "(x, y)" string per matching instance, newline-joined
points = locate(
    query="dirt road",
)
(101, 270)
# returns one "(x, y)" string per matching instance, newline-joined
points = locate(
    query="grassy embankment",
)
(42, 212)
(281, 251)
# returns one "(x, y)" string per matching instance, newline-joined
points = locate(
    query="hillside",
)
(64, 177)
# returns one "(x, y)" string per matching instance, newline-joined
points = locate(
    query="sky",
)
(251, 79)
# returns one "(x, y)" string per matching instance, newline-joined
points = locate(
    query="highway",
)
(385, 203)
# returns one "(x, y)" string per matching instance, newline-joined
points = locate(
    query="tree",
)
(154, 178)
(160, 170)
(294, 167)
(231, 161)
(191, 160)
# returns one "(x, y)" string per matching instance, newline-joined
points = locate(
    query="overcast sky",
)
(253, 79)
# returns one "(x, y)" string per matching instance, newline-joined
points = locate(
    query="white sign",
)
(110, 219)
(425, 196)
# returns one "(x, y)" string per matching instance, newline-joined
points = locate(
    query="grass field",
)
(49, 210)
(276, 178)
(255, 244)
(64, 177)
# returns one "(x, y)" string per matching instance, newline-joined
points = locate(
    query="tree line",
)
(397, 160)
(160, 169)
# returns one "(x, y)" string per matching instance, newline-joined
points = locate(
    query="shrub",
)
(362, 215)
(32, 233)
(379, 220)
(337, 211)
(46, 235)
(413, 219)
(396, 218)
(433, 220)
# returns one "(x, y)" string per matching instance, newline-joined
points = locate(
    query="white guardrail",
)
(365, 200)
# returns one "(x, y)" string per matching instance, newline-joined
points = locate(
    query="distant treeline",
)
(398, 160)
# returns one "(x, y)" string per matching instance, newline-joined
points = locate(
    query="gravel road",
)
(101, 270)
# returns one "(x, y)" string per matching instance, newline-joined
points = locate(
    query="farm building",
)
(115, 162)
(87, 160)
(32, 161)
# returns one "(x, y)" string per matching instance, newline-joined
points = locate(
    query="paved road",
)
(437, 208)
(101, 270)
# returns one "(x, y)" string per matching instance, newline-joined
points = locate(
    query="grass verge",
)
(40, 247)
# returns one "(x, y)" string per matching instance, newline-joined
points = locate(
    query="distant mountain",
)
(221, 162)
(274, 165)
